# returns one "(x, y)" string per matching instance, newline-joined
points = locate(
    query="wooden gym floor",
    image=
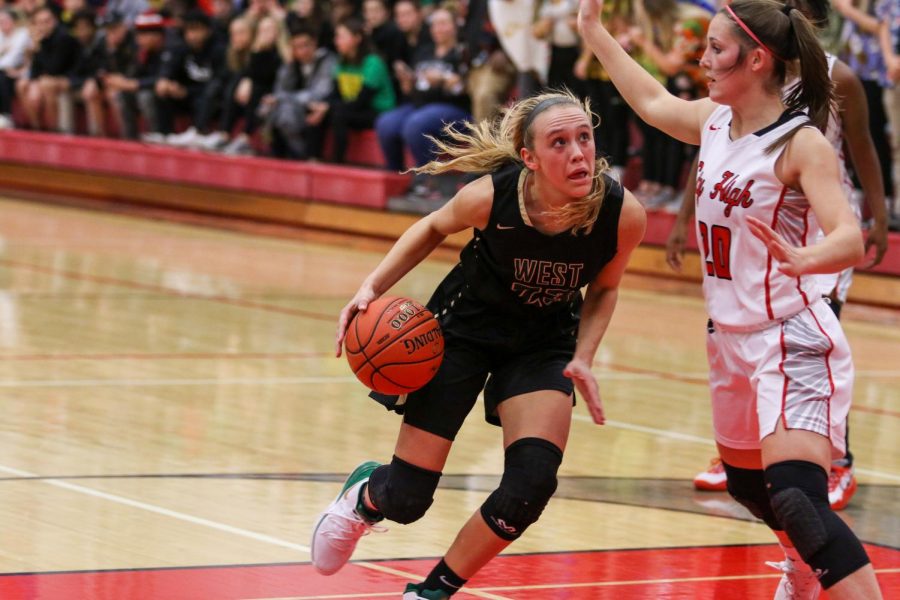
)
(174, 420)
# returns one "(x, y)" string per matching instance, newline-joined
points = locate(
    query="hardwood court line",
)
(259, 537)
(53, 383)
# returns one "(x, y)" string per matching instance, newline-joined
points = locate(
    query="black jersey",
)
(512, 266)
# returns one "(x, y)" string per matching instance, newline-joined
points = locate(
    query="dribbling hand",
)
(360, 302)
(586, 384)
(790, 260)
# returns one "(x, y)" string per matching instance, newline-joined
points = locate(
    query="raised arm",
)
(599, 303)
(681, 119)
(470, 207)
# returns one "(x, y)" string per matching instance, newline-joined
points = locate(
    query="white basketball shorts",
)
(798, 370)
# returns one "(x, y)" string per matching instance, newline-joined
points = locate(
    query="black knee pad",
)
(748, 487)
(799, 493)
(402, 492)
(529, 480)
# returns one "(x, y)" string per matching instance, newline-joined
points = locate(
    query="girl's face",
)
(443, 29)
(303, 48)
(406, 16)
(345, 41)
(375, 13)
(267, 32)
(304, 8)
(6, 23)
(727, 79)
(563, 149)
(239, 34)
(84, 31)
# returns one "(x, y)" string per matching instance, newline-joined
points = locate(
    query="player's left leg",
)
(535, 431)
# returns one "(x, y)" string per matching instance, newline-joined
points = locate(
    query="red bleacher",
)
(348, 185)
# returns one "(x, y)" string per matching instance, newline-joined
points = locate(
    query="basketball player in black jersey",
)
(547, 222)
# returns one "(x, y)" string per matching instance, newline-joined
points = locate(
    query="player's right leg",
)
(401, 491)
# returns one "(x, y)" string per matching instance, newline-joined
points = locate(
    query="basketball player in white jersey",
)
(780, 367)
(851, 110)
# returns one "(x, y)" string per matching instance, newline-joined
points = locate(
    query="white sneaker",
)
(713, 479)
(212, 141)
(841, 486)
(6, 122)
(340, 526)
(239, 146)
(186, 139)
(153, 137)
(796, 583)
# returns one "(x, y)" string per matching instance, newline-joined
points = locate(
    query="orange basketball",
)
(395, 346)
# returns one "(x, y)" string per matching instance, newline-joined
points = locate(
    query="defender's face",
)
(720, 60)
(564, 149)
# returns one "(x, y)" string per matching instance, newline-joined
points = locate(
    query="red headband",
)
(746, 29)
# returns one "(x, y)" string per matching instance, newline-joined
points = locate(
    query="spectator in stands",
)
(223, 13)
(411, 22)
(491, 73)
(888, 12)
(437, 96)
(191, 80)
(657, 46)
(55, 56)
(237, 58)
(308, 77)
(255, 81)
(341, 10)
(133, 87)
(69, 9)
(84, 30)
(310, 15)
(861, 50)
(258, 9)
(672, 41)
(387, 40)
(363, 90)
(116, 56)
(127, 9)
(15, 43)
(556, 24)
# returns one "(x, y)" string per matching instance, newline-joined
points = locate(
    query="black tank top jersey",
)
(511, 266)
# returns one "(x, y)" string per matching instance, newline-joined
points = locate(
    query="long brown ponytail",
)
(787, 35)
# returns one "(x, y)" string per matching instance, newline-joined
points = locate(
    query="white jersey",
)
(743, 287)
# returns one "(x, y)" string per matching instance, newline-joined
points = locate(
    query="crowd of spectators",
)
(293, 79)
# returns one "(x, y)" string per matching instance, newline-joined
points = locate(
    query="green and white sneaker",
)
(341, 525)
(414, 592)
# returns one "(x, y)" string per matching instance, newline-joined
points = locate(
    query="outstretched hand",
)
(359, 303)
(586, 384)
(790, 260)
(589, 11)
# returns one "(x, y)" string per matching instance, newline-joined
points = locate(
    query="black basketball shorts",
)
(503, 355)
